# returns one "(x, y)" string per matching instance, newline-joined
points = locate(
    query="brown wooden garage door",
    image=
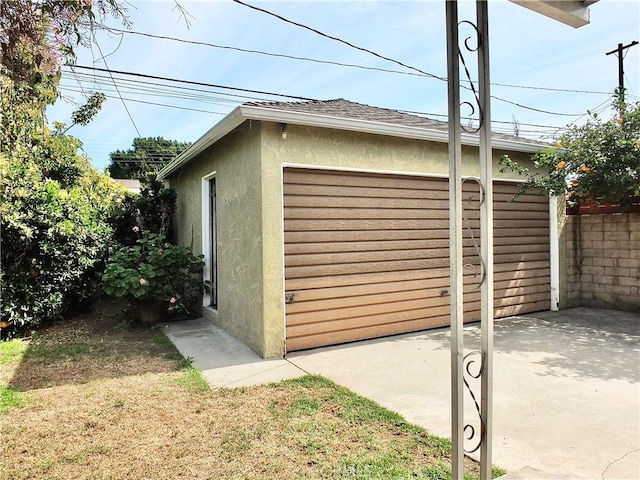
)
(367, 255)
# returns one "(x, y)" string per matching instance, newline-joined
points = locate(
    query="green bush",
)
(599, 160)
(53, 210)
(152, 210)
(156, 273)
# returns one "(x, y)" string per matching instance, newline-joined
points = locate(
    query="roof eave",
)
(369, 126)
(270, 114)
(215, 133)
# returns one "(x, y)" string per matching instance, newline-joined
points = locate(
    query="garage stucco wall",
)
(235, 159)
(321, 147)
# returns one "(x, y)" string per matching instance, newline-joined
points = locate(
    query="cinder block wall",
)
(603, 261)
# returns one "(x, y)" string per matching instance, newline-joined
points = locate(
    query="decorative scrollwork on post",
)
(471, 364)
(471, 47)
(482, 272)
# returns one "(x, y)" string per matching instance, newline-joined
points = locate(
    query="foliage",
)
(53, 209)
(151, 210)
(155, 270)
(598, 160)
(148, 156)
(53, 204)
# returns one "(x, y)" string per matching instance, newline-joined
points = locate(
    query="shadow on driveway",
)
(566, 387)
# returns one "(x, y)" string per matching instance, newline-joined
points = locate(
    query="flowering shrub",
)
(155, 271)
(598, 160)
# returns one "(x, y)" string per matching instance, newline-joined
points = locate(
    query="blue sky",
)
(527, 50)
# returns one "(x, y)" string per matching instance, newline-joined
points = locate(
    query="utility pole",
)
(619, 52)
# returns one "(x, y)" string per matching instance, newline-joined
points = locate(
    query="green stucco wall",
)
(235, 159)
(249, 164)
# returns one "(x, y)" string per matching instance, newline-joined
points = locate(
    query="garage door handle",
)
(289, 297)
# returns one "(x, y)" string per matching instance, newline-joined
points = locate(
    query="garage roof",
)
(343, 115)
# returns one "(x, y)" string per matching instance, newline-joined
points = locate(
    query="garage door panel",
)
(333, 177)
(368, 267)
(355, 236)
(381, 293)
(362, 333)
(366, 192)
(410, 244)
(368, 255)
(529, 232)
(338, 292)
(356, 224)
(320, 282)
(311, 306)
(377, 202)
(358, 257)
(377, 246)
(323, 317)
(522, 308)
(506, 254)
(379, 320)
(362, 285)
(527, 198)
(301, 213)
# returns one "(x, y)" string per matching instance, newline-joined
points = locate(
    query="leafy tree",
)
(147, 157)
(55, 237)
(599, 160)
(53, 204)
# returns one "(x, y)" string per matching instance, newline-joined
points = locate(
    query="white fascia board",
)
(379, 128)
(574, 13)
(267, 114)
(215, 133)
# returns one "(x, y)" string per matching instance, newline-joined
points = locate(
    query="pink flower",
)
(172, 300)
(136, 228)
(142, 281)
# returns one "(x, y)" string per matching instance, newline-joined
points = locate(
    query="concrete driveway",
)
(566, 385)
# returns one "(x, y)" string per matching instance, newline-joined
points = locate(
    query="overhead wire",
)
(104, 60)
(389, 59)
(163, 90)
(335, 63)
(191, 82)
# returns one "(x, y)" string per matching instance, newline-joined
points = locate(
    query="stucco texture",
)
(235, 160)
(249, 165)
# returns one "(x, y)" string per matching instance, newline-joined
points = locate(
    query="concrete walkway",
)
(566, 385)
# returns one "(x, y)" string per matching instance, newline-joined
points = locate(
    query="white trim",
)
(554, 253)
(284, 277)
(269, 114)
(206, 217)
(215, 133)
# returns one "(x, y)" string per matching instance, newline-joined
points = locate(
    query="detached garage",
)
(327, 222)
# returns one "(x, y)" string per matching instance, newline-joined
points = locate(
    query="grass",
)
(87, 398)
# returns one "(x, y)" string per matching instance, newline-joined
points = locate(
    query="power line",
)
(104, 60)
(174, 87)
(190, 82)
(70, 89)
(339, 64)
(173, 91)
(389, 59)
(340, 40)
(149, 88)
